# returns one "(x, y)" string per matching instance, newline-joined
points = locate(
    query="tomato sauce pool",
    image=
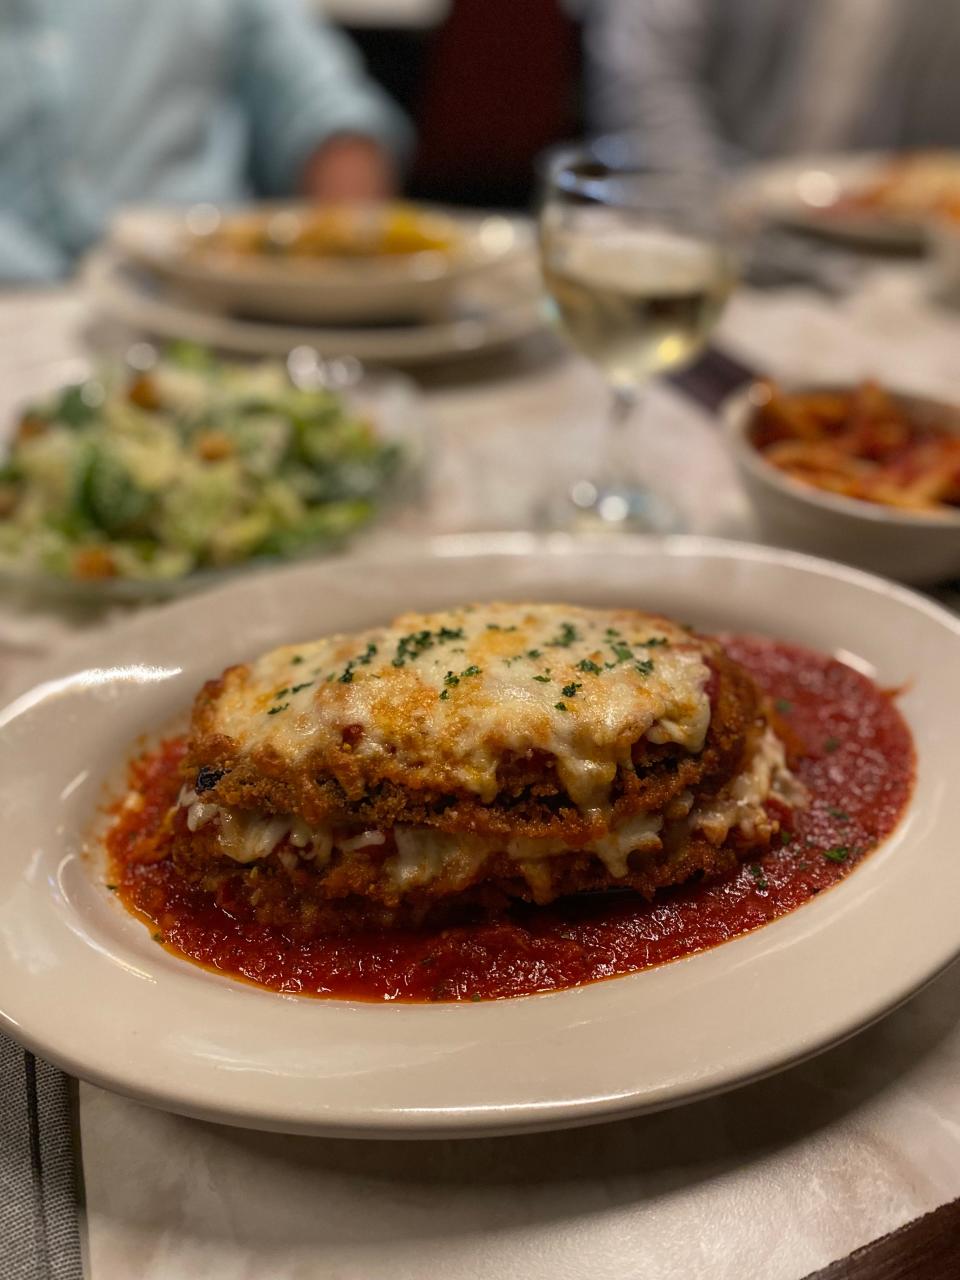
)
(850, 748)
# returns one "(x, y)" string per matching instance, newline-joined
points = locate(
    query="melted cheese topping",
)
(423, 854)
(446, 695)
(741, 803)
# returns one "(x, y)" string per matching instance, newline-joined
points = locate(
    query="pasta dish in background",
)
(863, 443)
(334, 232)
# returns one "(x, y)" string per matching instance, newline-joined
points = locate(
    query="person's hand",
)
(349, 168)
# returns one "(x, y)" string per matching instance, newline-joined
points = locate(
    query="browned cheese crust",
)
(431, 795)
(329, 789)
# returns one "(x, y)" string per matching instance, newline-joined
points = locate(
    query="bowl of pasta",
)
(860, 473)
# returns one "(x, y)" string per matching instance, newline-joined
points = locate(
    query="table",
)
(775, 1180)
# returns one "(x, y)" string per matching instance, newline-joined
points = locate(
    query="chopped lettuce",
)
(194, 464)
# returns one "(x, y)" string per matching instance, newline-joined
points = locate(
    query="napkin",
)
(39, 1219)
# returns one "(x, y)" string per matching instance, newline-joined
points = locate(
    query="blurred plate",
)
(801, 192)
(387, 398)
(178, 245)
(488, 311)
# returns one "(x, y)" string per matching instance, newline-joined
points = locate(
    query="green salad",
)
(190, 465)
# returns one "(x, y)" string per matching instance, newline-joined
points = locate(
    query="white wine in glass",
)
(638, 274)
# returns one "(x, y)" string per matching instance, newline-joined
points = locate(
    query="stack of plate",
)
(174, 274)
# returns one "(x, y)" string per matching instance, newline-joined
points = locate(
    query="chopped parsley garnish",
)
(444, 694)
(759, 879)
(297, 659)
(534, 653)
(783, 705)
(838, 854)
(644, 666)
(281, 692)
(653, 642)
(560, 706)
(831, 745)
(565, 637)
(297, 687)
(451, 678)
(571, 690)
(412, 646)
(495, 626)
(542, 679)
(785, 836)
(622, 652)
(282, 707)
(611, 633)
(157, 937)
(839, 814)
(361, 660)
(586, 664)
(417, 642)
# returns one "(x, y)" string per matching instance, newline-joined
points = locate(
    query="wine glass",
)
(637, 268)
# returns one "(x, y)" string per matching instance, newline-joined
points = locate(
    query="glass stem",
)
(617, 464)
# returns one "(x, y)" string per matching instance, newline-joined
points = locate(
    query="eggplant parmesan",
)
(457, 761)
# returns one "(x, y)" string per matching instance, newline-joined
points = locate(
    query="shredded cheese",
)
(447, 695)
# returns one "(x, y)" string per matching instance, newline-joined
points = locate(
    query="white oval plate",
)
(316, 290)
(488, 312)
(798, 192)
(82, 984)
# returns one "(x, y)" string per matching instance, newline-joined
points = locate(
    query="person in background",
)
(104, 102)
(721, 82)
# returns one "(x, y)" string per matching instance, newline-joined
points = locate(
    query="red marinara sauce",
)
(856, 760)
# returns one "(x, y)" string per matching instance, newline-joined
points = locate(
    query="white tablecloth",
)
(773, 1180)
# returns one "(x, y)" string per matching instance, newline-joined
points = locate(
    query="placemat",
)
(39, 1187)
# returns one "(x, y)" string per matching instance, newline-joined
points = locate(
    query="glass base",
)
(594, 507)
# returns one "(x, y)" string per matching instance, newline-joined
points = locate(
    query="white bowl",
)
(919, 549)
(945, 260)
(319, 290)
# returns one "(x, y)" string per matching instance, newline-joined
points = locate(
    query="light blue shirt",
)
(110, 101)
